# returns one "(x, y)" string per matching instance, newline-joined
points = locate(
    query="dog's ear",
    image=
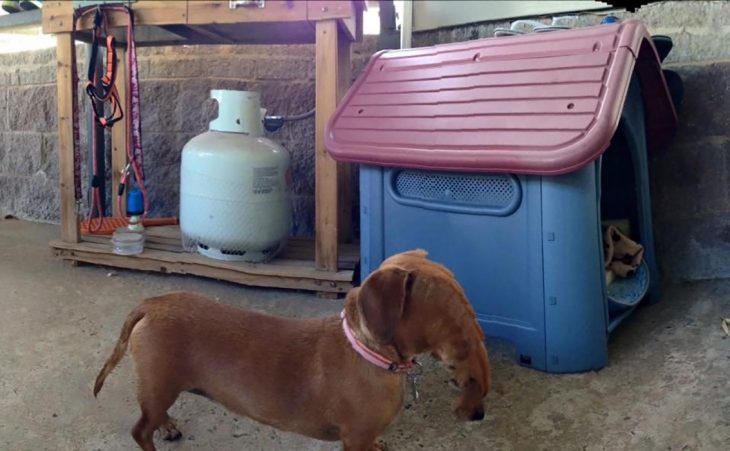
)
(382, 298)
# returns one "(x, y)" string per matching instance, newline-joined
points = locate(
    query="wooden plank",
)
(281, 274)
(209, 12)
(144, 264)
(299, 251)
(69, 212)
(58, 15)
(276, 267)
(119, 136)
(344, 171)
(149, 244)
(326, 178)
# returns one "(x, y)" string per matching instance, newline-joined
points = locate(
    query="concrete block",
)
(706, 99)
(4, 120)
(159, 100)
(692, 45)
(690, 181)
(172, 68)
(683, 14)
(35, 75)
(163, 188)
(301, 133)
(194, 106)
(283, 98)
(32, 108)
(241, 68)
(22, 153)
(264, 51)
(161, 149)
(49, 155)
(38, 199)
(9, 192)
(358, 64)
(285, 69)
(302, 166)
(303, 216)
(367, 47)
(695, 250)
(45, 57)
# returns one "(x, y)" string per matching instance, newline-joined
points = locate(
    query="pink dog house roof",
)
(544, 103)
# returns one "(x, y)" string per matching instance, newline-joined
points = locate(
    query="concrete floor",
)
(666, 386)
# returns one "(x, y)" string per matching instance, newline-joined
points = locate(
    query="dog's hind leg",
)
(154, 400)
(169, 431)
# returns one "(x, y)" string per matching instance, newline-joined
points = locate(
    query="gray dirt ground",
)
(666, 386)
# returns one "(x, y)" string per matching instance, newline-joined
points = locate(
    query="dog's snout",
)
(478, 414)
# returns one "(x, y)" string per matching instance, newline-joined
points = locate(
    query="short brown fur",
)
(245, 360)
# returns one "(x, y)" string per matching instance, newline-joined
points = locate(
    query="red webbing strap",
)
(75, 110)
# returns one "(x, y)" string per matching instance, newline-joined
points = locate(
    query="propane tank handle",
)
(238, 112)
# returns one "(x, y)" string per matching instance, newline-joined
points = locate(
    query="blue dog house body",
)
(517, 223)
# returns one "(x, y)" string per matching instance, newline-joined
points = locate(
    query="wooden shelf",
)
(294, 268)
(326, 264)
(181, 22)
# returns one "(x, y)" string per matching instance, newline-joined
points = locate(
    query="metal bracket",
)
(84, 3)
(233, 4)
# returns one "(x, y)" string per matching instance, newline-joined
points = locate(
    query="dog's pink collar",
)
(371, 356)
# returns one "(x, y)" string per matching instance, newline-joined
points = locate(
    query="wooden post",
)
(64, 81)
(344, 174)
(119, 135)
(329, 59)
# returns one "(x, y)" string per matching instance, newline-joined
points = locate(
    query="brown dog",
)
(305, 376)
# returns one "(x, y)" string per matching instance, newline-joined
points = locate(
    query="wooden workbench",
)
(325, 264)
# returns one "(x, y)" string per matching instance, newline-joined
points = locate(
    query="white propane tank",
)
(234, 185)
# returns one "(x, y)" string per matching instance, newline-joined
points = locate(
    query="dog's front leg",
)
(363, 442)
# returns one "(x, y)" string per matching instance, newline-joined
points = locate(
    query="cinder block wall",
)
(175, 88)
(690, 179)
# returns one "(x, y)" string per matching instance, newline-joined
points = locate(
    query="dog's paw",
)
(170, 432)
(380, 445)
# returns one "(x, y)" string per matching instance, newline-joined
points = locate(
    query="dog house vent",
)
(483, 193)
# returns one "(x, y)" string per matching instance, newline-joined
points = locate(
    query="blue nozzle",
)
(135, 202)
(609, 19)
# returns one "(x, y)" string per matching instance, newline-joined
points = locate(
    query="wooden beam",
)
(209, 12)
(58, 15)
(344, 172)
(120, 135)
(326, 178)
(64, 80)
(346, 11)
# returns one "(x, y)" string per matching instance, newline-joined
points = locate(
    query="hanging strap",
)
(132, 103)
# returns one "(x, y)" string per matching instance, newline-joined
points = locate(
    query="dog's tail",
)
(120, 349)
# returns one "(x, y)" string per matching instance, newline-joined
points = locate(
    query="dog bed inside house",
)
(501, 157)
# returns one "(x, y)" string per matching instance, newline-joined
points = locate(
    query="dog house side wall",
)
(575, 307)
(534, 276)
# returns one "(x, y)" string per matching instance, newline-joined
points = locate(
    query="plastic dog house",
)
(501, 157)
